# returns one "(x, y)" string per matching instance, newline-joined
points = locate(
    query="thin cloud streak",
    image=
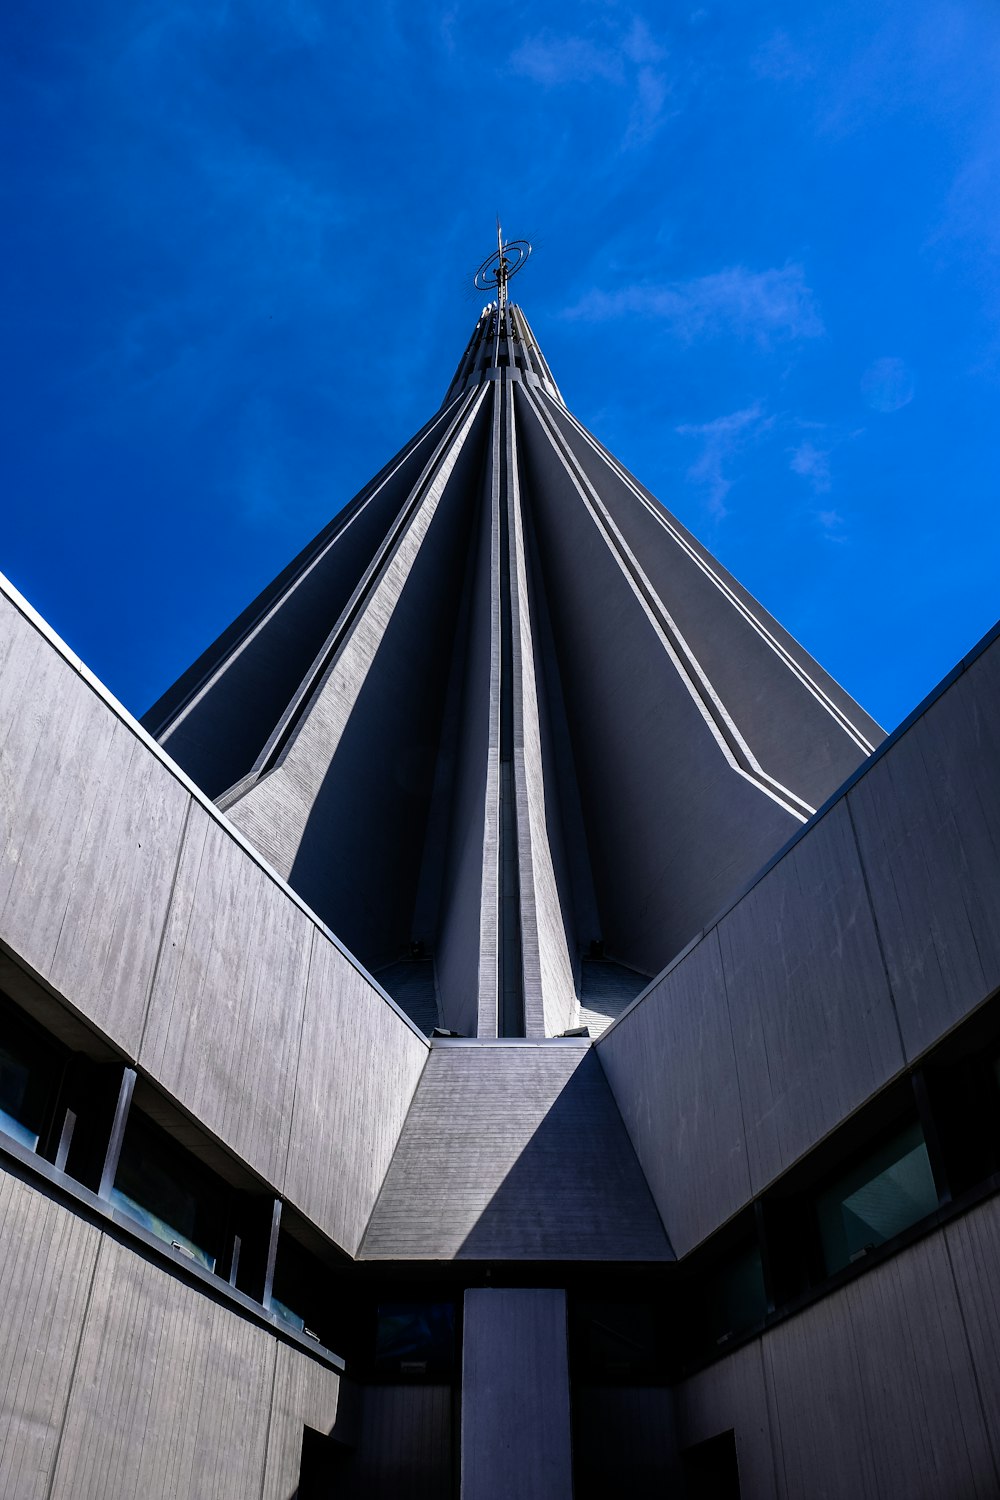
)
(629, 60)
(763, 305)
(812, 463)
(721, 439)
(555, 60)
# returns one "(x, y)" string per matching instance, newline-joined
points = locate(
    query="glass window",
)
(877, 1199)
(415, 1338)
(300, 1293)
(288, 1314)
(168, 1192)
(28, 1078)
(735, 1299)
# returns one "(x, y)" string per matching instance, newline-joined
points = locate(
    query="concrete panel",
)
(515, 1397)
(822, 1433)
(405, 1445)
(467, 938)
(812, 1018)
(47, 1260)
(548, 942)
(672, 1069)
(673, 828)
(928, 824)
(91, 830)
(974, 1247)
(918, 1379)
(359, 1064)
(226, 1010)
(171, 1395)
(342, 811)
(802, 726)
(572, 859)
(306, 1394)
(732, 1395)
(514, 1151)
(875, 1389)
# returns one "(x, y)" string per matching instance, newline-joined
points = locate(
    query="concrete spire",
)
(505, 724)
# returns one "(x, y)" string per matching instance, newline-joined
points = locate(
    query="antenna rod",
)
(501, 273)
(497, 269)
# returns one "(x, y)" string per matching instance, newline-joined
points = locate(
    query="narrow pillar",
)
(515, 1397)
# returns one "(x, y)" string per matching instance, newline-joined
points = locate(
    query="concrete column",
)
(515, 1397)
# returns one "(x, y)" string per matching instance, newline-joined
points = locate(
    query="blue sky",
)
(239, 242)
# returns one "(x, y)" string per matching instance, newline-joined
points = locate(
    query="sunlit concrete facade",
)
(303, 1187)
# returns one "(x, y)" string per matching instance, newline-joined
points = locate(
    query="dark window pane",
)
(415, 1338)
(877, 1199)
(735, 1299)
(16, 1114)
(710, 1470)
(165, 1189)
(300, 1294)
(28, 1078)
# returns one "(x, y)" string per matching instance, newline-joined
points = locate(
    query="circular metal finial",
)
(499, 267)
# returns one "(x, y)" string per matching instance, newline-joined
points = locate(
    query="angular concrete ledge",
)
(134, 900)
(870, 935)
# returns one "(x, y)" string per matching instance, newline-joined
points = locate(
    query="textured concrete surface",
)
(529, 614)
(514, 1151)
(515, 1396)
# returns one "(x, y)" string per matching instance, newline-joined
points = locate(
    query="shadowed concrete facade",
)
(506, 734)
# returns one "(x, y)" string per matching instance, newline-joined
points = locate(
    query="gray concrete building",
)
(504, 1024)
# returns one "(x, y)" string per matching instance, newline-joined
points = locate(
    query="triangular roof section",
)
(506, 725)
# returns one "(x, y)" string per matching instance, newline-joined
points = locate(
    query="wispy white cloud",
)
(832, 525)
(812, 463)
(641, 47)
(764, 305)
(780, 60)
(888, 385)
(648, 105)
(630, 59)
(554, 60)
(721, 439)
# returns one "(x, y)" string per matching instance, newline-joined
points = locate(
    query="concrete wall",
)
(886, 1388)
(672, 825)
(514, 1151)
(406, 1445)
(119, 1380)
(138, 904)
(467, 931)
(872, 935)
(807, 731)
(342, 810)
(548, 938)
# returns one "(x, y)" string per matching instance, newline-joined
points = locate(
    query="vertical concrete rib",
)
(467, 957)
(341, 811)
(538, 362)
(549, 996)
(512, 956)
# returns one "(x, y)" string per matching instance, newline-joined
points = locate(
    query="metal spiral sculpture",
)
(497, 269)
